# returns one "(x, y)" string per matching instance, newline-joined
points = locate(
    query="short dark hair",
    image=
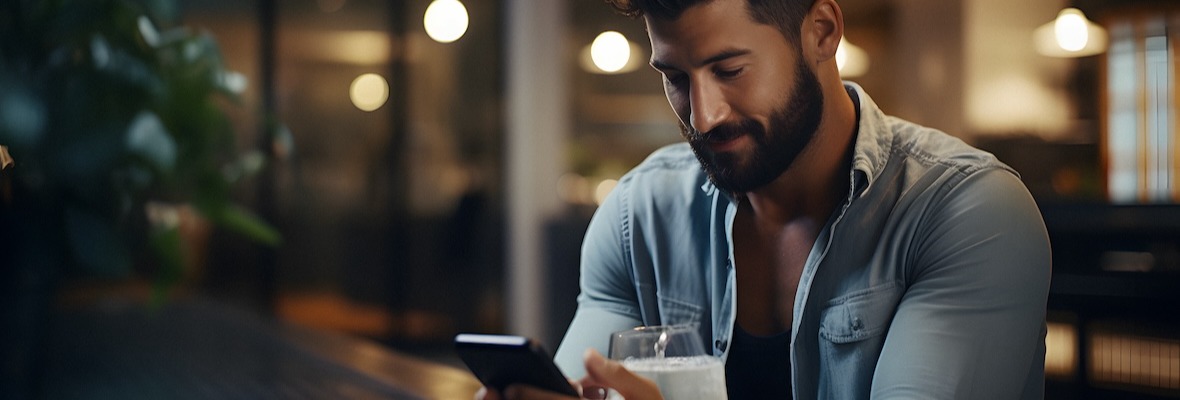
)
(786, 15)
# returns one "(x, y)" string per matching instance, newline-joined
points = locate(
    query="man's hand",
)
(525, 392)
(519, 392)
(603, 373)
(600, 374)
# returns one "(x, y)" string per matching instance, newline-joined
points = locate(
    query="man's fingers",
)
(484, 394)
(594, 393)
(603, 372)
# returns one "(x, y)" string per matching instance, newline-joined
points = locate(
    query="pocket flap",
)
(675, 312)
(861, 314)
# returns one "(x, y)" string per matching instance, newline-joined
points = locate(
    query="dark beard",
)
(791, 128)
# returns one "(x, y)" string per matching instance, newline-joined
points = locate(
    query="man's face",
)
(747, 102)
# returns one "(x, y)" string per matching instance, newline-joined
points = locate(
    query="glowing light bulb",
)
(1070, 35)
(1070, 30)
(369, 92)
(445, 20)
(842, 54)
(610, 51)
(851, 61)
(603, 189)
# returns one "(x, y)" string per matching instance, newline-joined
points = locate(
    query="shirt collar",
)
(870, 150)
(874, 140)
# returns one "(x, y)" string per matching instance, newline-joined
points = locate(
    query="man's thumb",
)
(612, 374)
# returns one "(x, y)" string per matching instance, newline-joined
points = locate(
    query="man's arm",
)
(971, 325)
(607, 302)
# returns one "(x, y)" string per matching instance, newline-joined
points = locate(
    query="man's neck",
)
(817, 182)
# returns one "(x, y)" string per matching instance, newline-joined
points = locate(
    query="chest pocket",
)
(860, 315)
(852, 334)
(676, 312)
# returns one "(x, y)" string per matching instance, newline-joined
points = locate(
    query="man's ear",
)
(821, 31)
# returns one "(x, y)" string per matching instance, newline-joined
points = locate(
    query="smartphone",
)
(502, 360)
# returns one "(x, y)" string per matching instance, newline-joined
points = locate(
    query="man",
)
(824, 249)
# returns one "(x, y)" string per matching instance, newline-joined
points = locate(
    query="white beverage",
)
(682, 378)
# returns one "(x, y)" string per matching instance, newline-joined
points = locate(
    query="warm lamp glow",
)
(356, 47)
(577, 189)
(1070, 35)
(369, 92)
(603, 189)
(851, 60)
(1061, 349)
(445, 20)
(610, 51)
(1070, 30)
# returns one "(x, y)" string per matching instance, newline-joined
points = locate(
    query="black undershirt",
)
(758, 367)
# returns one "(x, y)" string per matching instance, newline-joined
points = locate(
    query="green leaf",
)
(147, 138)
(166, 244)
(243, 221)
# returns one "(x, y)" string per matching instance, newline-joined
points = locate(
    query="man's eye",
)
(675, 79)
(728, 73)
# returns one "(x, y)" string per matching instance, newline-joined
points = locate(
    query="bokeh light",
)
(445, 20)
(851, 61)
(1070, 30)
(1070, 34)
(610, 51)
(369, 92)
(604, 188)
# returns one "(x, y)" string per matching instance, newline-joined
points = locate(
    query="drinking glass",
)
(674, 357)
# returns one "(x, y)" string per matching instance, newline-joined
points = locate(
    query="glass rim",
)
(642, 329)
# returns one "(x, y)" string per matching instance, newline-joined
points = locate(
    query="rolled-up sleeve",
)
(971, 324)
(607, 302)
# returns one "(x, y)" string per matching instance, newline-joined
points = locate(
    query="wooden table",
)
(199, 349)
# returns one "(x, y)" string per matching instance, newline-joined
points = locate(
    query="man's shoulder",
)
(675, 161)
(671, 176)
(885, 140)
(674, 157)
(935, 147)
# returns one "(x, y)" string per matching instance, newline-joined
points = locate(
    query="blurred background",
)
(395, 172)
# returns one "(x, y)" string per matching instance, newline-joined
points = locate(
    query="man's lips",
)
(722, 140)
(721, 137)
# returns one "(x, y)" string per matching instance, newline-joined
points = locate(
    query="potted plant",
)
(109, 109)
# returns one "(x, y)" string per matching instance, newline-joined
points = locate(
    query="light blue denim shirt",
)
(930, 281)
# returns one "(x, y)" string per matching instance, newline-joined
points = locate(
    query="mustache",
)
(725, 131)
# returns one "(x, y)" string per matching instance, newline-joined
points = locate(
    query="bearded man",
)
(823, 249)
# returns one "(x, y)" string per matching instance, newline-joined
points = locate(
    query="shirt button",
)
(720, 344)
(857, 324)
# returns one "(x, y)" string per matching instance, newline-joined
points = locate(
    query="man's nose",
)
(708, 106)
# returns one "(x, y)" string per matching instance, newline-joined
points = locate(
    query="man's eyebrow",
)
(660, 65)
(723, 55)
(726, 54)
